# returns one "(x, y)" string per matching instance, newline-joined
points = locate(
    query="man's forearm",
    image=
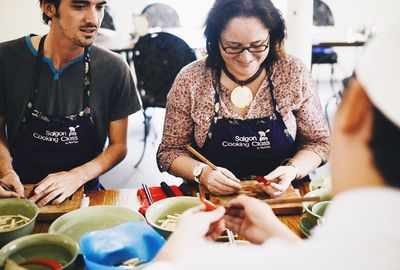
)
(105, 161)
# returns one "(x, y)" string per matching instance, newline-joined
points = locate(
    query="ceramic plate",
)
(78, 222)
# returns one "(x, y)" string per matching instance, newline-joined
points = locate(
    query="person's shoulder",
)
(9, 49)
(197, 68)
(13, 43)
(289, 62)
(290, 68)
(106, 56)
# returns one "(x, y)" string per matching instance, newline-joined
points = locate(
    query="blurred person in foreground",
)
(362, 222)
(61, 98)
(249, 108)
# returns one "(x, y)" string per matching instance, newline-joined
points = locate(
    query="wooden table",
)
(120, 197)
(128, 198)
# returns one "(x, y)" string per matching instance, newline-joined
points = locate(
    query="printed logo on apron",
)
(258, 142)
(65, 137)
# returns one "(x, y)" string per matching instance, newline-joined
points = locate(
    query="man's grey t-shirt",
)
(112, 91)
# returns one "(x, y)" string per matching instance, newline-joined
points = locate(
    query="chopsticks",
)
(281, 201)
(291, 200)
(201, 157)
(147, 192)
(231, 238)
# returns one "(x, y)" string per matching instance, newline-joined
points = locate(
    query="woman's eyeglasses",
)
(251, 49)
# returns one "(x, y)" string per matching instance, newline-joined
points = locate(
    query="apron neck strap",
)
(36, 75)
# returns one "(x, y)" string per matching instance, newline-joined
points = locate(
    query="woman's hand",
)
(55, 188)
(280, 178)
(220, 181)
(255, 221)
(11, 180)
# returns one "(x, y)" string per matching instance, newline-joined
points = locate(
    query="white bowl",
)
(169, 206)
(324, 194)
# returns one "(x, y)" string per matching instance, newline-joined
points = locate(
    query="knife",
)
(167, 190)
(185, 189)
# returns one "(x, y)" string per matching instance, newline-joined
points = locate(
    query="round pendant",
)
(241, 97)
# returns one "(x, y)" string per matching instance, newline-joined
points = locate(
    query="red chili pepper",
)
(261, 179)
(209, 205)
(45, 262)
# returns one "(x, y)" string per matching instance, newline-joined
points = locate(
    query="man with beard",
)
(60, 99)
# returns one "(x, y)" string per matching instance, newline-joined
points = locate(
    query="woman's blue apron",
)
(248, 147)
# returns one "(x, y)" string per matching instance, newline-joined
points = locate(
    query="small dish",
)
(324, 194)
(17, 208)
(307, 223)
(168, 207)
(55, 247)
(304, 231)
(319, 209)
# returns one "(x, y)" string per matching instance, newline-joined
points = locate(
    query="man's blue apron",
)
(47, 144)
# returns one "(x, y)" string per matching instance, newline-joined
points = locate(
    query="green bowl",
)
(18, 207)
(56, 247)
(174, 205)
(305, 232)
(306, 225)
(78, 222)
(307, 206)
(319, 208)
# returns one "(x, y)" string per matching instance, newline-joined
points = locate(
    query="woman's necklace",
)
(242, 96)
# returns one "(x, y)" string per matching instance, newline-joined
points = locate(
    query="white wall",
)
(20, 17)
(354, 13)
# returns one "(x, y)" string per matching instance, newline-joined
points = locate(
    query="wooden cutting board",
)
(250, 188)
(51, 212)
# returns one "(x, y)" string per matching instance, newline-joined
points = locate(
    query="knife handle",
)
(167, 190)
(185, 189)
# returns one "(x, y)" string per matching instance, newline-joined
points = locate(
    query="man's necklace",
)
(241, 96)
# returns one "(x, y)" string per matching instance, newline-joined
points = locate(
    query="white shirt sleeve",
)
(161, 266)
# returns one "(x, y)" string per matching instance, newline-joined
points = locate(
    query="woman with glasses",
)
(248, 107)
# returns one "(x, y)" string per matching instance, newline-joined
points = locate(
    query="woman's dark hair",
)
(385, 148)
(225, 10)
(56, 4)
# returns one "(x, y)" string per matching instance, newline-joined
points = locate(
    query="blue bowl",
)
(106, 249)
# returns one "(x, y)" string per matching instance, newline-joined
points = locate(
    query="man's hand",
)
(11, 180)
(56, 187)
(255, 221)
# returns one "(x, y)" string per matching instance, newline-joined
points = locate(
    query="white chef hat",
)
(378, 71)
